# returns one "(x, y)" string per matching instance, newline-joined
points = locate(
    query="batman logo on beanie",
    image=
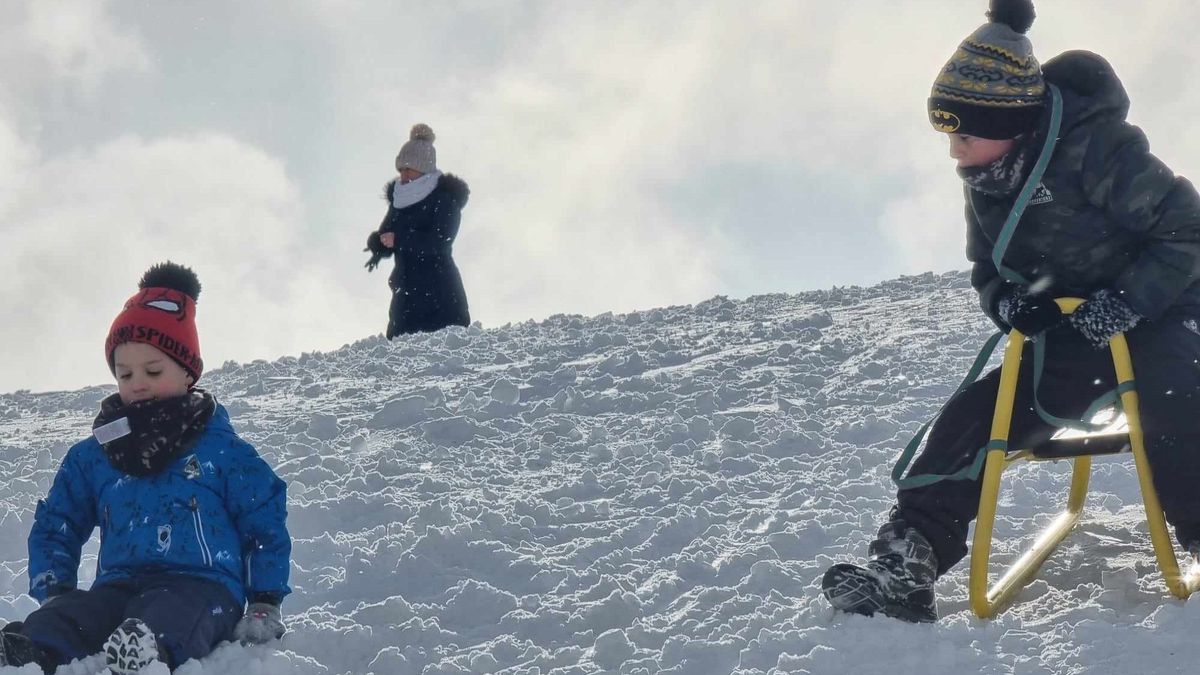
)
(944, 120)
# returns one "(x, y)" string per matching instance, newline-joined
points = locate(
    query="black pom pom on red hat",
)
(1016, 14)
(174, 276)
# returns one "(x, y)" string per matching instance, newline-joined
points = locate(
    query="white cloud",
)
(79, 236)
(17, 155)
(79, 40)
(620, 155)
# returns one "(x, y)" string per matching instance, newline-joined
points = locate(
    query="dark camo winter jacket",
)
(1108, 214)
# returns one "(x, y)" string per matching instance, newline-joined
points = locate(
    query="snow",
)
(656, 492)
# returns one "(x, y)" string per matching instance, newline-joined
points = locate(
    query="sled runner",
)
(1079, 449)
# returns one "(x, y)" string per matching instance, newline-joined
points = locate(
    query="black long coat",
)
(427, 289)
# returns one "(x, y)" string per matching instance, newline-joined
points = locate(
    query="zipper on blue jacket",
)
(105, 531)
(194, 505)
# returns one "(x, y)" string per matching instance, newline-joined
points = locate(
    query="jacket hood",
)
(220, 421)
(1091, 90)
(455, 187)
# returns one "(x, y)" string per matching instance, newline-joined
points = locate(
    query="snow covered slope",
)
(656, 492)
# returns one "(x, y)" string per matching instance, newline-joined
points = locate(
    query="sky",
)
(621, 155)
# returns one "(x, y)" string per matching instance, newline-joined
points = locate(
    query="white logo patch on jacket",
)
(192, 468)
(1041, 195)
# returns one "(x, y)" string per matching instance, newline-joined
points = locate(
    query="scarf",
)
(407, 194)
(1004, 176)
(141, 439)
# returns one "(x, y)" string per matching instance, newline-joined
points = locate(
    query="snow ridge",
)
(653, 492)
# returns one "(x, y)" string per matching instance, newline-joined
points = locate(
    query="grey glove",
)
(1102, 316)
(261, 623)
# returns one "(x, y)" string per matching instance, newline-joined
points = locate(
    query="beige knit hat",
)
(418, 153)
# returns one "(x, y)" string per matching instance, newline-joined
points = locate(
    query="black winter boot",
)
(897, 582)
(18, 650)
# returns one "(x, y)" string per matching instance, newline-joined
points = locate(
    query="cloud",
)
(87, 225)
(77, 39)
(620, 156)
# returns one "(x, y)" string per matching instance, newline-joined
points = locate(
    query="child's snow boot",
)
(131, 647)
(897, 582)
(18, 650)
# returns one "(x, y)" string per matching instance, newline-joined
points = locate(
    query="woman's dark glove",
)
(1102, 316)
(1030, 313)
(377, 250)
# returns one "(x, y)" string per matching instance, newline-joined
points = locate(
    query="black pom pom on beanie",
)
(174, 276)
(1016, 14)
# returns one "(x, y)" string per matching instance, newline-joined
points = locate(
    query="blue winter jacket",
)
(217, 512)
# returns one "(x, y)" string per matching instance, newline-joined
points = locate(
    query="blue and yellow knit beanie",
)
(992, 87)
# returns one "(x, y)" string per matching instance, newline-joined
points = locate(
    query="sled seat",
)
(1113, 439)
(1122, 435)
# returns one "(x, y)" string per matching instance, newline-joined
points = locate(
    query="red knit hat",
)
(161, 314)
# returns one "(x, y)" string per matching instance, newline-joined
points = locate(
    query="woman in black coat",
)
(424, 210)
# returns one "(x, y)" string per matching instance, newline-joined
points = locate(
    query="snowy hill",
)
(656, 492)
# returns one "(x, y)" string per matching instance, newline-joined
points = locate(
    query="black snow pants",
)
(1166, 367)
(189, 616)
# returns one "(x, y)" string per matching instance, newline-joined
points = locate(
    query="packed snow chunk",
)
(612, 648)
(235, 658)
(455, 339)
(453, 430)
(393, 611)
(473, 604)
(684, 656)
(739, 429)
(868, 430)
(483, 662)
(694, 569)
(323, 426)
(619, 609)
(470, 402)
(769, 575)
(392, 661)
(400, 412)
(544, 626)
(505, 392)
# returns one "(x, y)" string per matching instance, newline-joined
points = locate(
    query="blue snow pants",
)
(1166, 368)
(189, 616)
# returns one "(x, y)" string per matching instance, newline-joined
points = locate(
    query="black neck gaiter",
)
(143, 438)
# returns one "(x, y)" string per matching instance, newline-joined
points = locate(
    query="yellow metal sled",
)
(987, 602)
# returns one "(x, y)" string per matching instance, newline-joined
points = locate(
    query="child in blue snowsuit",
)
(1103, 220)
(192, 521)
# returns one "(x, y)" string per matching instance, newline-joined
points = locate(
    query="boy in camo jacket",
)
(1108, 222)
